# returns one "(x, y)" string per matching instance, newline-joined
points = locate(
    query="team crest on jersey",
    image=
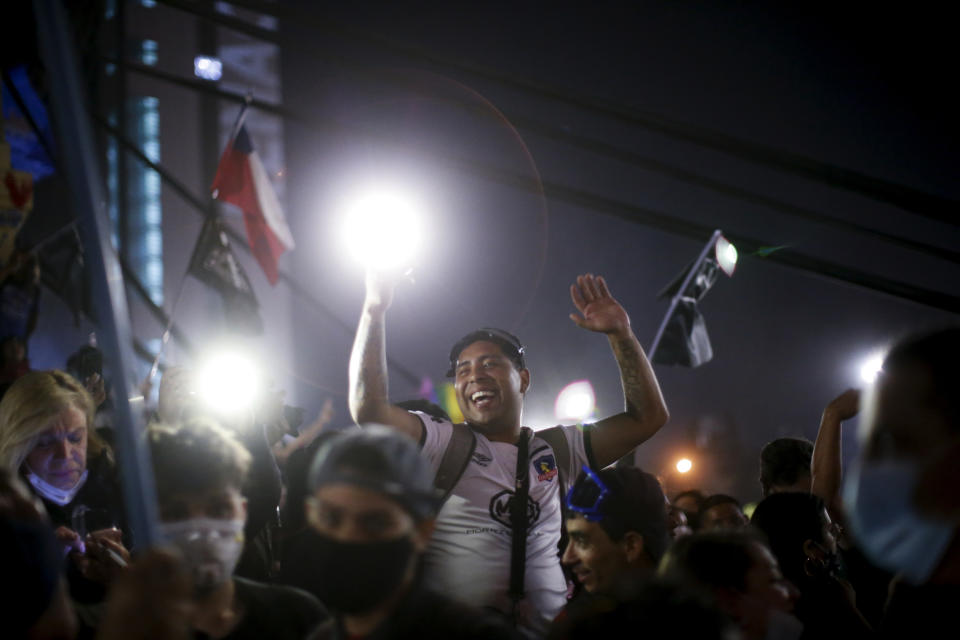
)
(501, 504)
(545, 467)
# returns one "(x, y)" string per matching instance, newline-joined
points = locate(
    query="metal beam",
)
(80, 164)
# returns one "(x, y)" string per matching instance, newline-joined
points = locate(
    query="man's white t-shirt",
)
(469, 556)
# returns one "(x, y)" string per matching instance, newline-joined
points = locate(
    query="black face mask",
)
(355, 577)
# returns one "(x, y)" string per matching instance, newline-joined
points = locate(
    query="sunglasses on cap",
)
(508, 342)
(586, 498)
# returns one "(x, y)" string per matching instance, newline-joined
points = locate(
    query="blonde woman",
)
(46, 434)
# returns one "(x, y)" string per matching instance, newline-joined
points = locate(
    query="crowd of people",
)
(407, 525)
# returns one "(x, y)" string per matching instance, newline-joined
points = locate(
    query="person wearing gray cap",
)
(372, 509)
(498, 533)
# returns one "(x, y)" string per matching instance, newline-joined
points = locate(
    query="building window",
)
(145, 222)
(148, 52)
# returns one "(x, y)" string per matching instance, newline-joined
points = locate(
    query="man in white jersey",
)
(470, 554)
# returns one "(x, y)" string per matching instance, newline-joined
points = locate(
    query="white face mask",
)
(55, 494)
(210, 547)
(893, 534)
(783, 626)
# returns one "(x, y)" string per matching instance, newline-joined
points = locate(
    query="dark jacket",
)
(424, 614)
(926, 611)
(100, 494)
(273, 611)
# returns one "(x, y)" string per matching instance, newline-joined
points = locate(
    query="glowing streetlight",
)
(382, 229)
(228, 382)
(684, 465)
(871, 368)
(726, 255)
(575, 402)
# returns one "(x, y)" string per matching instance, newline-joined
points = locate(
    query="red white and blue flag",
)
(241, 180)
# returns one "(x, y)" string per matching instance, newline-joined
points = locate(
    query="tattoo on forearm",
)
(631, 362)
(368, 362)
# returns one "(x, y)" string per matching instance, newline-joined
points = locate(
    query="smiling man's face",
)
(592, 556)
(489, 387)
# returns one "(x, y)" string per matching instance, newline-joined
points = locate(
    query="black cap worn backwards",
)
(378, 458)
(508, 342)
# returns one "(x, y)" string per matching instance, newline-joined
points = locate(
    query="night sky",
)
(864, 92)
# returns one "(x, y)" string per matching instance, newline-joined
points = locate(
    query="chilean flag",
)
(241, 180)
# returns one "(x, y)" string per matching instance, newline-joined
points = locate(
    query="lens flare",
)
(575, 402)
(382, 229)
(871, 368)
(228, 382)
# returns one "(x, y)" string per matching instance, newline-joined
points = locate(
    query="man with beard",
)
(199, 469)
(476, 555)
(371, 512)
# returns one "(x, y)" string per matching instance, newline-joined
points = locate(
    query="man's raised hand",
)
(380, 286)
(599, 311)
(845, 406)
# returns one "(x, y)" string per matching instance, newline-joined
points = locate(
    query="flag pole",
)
(247, 101)
(691, 274)
(165, 338)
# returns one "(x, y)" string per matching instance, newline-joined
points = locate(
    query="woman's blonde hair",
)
(31, 403)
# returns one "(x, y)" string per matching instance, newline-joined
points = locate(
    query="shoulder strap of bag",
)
(518, 522)
(455, 459)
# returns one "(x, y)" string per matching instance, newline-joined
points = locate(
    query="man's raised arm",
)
(826, 468)
(645, 410)
(368, 364)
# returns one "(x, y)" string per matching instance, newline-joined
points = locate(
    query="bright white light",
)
(575, 402)
(684, 465)
(870, 368)
(228, 382)
(726, 255)
(382, 230)
(207, 68)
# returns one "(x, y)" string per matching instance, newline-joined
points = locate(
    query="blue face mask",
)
(879, 500)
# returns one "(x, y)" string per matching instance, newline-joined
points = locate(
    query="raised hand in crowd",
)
(175, 394)
(368, 397)
(380, 288)
(282, 450)
(599, 310)
(826, 467)
(645, 411)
